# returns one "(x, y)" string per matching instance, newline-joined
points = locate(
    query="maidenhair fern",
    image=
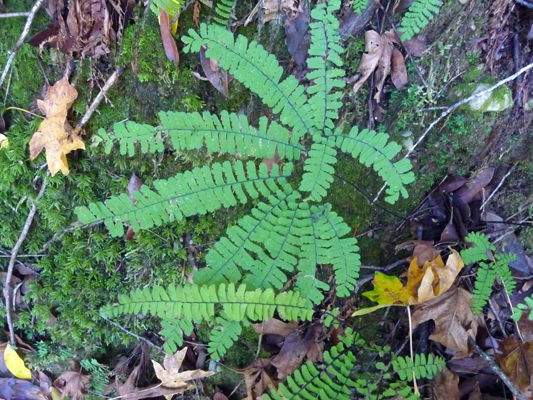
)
(359, 5)
(171, 7)
(341, 375)
(480, 251)
(223, 11)
(521, 307)
(418, 16)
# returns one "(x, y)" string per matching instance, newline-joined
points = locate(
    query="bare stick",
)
(497, 370)
(454, 107)
(14, 252)
(149, 343)
(20, 42)
(498, 187)
(17, 14)
(96, 102)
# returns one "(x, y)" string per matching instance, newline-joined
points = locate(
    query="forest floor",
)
(473, 171)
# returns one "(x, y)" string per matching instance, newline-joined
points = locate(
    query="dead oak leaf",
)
(171, 377)
(453, 317)
(129, 391)
(55, 133)
(257, 378)
(73, 384)
(516, 360)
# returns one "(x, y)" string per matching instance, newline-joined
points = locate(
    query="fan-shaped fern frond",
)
(422, 367)
(482, 287)
(222, 337)
(503, 272)
(193, 192)
(197, 303)
(329, 247)
(478, 251)
(372, 149)
(223, 12)
(359, 5)
(264, 243)
(171, 7)
(318, 168)
(324, 53)
(189, 131)
(259, 71)
(418, 16)
(173, 330)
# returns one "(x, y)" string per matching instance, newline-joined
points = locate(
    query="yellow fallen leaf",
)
(14, 363)
(4, 142)
(55, 134)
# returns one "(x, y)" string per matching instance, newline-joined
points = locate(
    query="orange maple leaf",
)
(55, 134)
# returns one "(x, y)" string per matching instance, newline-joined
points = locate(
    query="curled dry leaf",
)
(171, 50)
(218, 77)
(55, 133)
(454, 320)
(171, 377)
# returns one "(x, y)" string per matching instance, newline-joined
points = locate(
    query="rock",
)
(498, 100)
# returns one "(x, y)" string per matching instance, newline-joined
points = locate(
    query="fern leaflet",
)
(324, 57)
(482, 287)
(173, 330)
(521, 307)
(422, 367)
(198, 191)
(171, 7)
(318, 168)
(222, 337)
(257, 70)
(478, 252)
(503, 272)
(373, 150)
(418, 16)
(128, 134)
(359, 5)
(197, 303)
(223, 12)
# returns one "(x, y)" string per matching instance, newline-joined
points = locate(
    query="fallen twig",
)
(497, 370)
(14, 252)
(454, 107)
(16, 14)
(498, 187)
(20, 42)
(148, 342)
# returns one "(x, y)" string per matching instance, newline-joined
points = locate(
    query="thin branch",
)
(148, 342)
(96, 102)
(498, 187)
(14, 252)
(16, 14)
(454, 107)
(20, 42)
(497, 370)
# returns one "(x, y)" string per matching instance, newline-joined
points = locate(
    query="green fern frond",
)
(197, 303)
(480, 246)
(223, 12)
(171, 7)
(262, 243)
(372, 149)
(222, 337)
(318, 168)
(482, 287)
(503, 272)
(259, 71)
(325, 63)
(521, 307)
(198, 191)
(333, 381)
(331, 248)
(173, 330)
(359, 5)
(128, 133)
(418, 16)
(422, 367)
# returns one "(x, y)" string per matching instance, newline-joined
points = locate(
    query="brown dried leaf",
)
(134, 185)
(415, 46)
(275, 326)
(196, 13)
(399, 71)
(171, 50)
(55, 134)
(73, 384)
(255, 387)
(446, 385)
(217, 76)
(453, 317)
(516, 360)
(291, 8)
(370, 59)
(129, 391)
(170, 375)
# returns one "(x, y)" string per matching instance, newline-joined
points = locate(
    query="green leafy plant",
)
(223, 11)
(171, 7)
(480, 251)
(420, 13)
(521, 307)
(289, 230)
(341, 375)
(359, 5)
(99, 375)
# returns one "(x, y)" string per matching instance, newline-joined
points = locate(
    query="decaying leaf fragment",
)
(516, 360)
(171, 377)
(55, 133)
(171, 50)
